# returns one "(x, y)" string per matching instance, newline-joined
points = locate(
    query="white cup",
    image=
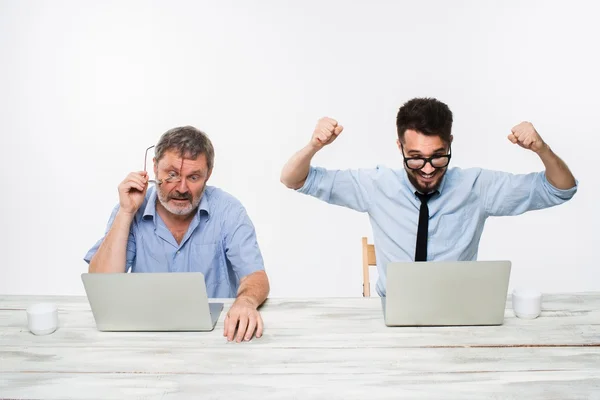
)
(527, 303)
(42, 318)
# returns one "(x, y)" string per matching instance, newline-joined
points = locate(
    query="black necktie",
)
(421, 252)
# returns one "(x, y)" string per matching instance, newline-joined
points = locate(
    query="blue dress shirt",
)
(467, 197)
(220, 242)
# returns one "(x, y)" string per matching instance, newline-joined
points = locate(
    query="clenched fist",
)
(326, 131)
(527, 137)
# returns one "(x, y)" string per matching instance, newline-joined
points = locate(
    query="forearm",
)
(111, 255)
(254, 288)
(557, 172)
(296, 170)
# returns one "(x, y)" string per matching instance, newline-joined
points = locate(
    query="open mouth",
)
(428, 177)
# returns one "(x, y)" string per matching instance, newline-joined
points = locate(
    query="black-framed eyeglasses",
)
(437, 161)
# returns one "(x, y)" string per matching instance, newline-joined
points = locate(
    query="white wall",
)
(85, 87)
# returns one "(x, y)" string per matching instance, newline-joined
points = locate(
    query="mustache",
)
(433, 173)
(180, 196)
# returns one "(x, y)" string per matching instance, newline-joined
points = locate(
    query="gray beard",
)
(163, 198)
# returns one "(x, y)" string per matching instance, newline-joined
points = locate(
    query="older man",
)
(183, 225)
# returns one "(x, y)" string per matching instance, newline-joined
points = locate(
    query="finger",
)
(338, 129)
(233, 320)
(512, 138)
(322, 138)
(328, 130)
(137, 179)
(225, 325)
(142, 175)
(327, 127)
(139, 174)
(136, 188)
(130, 187)
(326, 135)
(329, 120)
(133, 184)
(517, 127)
(242, 328)
(251, 328)
(259, 325)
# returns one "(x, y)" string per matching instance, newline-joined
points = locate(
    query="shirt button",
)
(178, 251)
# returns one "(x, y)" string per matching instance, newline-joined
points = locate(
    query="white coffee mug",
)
(527, 303)
(42, 318)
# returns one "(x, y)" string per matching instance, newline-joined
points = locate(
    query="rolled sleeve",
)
(314, 185)
(131, 246)
(509, 194)
(346, 188)
(241, 246)
(562, 194)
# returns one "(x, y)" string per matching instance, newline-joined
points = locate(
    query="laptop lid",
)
(441, 293)
(150, 301)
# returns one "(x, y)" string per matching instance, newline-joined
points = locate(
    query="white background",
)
(85, 87)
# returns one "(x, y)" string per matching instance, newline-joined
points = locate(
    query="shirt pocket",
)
(208, 258)
(153, 254)
(452, 228)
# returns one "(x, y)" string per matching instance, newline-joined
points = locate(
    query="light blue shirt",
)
(220, 242)
(467, 197)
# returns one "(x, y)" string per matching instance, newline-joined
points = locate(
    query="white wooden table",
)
(311, 348)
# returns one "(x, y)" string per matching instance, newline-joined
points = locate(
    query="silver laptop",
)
(150, 301)
(443, 293)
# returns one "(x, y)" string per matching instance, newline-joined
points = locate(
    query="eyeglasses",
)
(437, 161)
(173, 177)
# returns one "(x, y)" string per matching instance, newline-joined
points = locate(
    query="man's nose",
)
(182, 186)
(427, 169)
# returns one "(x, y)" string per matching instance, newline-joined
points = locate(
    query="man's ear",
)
(155, 166)
(399, 143)
(451, 139)
(209, 174)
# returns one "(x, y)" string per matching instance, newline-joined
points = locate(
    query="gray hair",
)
(188, 141)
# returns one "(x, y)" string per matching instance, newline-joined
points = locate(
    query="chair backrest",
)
(368, 255)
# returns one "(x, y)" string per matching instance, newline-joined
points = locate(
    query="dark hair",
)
(188, 141)
(428, 116)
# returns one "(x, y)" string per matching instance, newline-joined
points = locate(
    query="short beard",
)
(181, 211)
(426, 189)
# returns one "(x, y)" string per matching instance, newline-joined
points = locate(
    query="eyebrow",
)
(196, 172)
(434, 152)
